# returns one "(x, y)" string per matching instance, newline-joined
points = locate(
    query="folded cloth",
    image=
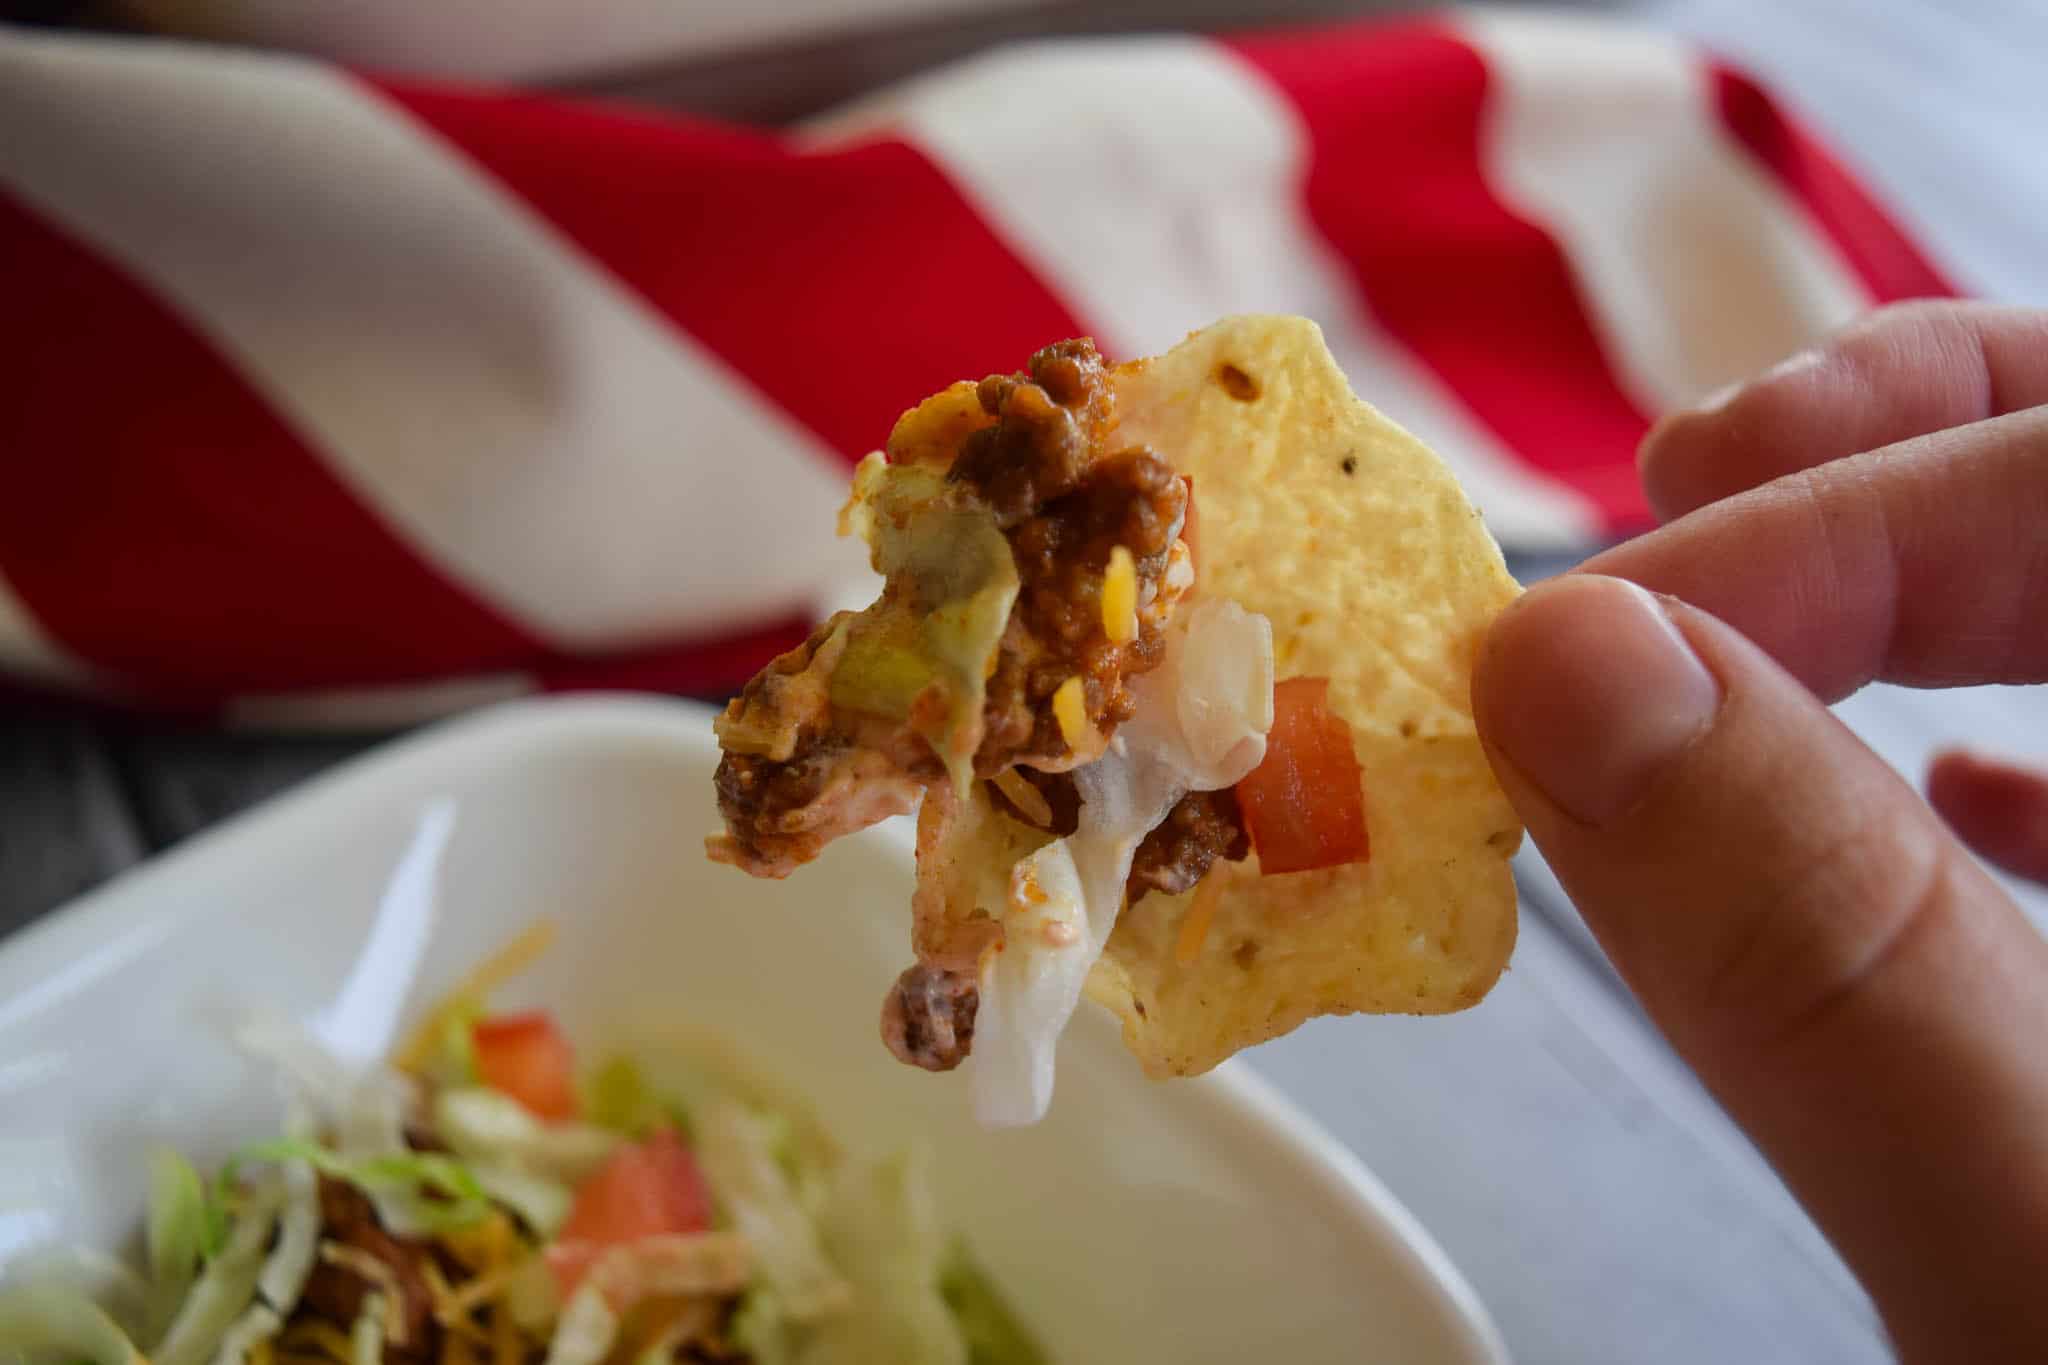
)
(333, 399)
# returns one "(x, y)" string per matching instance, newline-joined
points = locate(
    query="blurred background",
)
(1931, 111)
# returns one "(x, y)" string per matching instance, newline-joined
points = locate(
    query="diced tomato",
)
(645, 1189)
(526, 1057)
(569, 1262)
(1304, 805)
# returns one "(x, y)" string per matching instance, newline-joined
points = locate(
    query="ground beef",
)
(1048, 425)
(1180, 850)
(838, 777)
(1064, 508)
(336, 1293)
(928, 1019)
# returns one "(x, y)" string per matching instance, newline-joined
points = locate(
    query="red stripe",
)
(1892, 267)
(162, 523)
(846, 285)
(691, 668)
(1480, 295)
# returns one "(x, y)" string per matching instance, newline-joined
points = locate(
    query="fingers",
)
(1902, 372)
(1923, 562)
(1859, 993)
(1999, 810)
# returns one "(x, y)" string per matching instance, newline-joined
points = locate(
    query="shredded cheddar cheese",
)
(1120, 597)
(318, 1338)
(453, 1307)
(373, 1271)
(462, 1303)
(509, 961)
(1029, 801)
(483, 1246)
(1194, 926)
(1070, 709)
(456, 1349)
(506, 1347)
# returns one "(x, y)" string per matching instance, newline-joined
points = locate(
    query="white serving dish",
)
(1191, 1221)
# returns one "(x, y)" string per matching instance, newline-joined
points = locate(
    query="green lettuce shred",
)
(183, 1226)
(618, 1096)
(486, 1128)
(440, 1192)
(880, 1229)
(44, 1321)
(736, 1150)
(224, 1290)
(994, 1335)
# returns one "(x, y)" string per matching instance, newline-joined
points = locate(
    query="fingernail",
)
(1720, 398)
(1589, 690)
(1712, 402)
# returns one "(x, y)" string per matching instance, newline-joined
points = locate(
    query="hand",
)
(1862, 997)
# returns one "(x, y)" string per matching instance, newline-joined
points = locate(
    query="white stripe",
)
(1166, 194)
(27, 652)
(533, 427)
(1696, 268)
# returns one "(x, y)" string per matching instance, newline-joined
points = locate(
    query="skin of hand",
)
(1811, 935)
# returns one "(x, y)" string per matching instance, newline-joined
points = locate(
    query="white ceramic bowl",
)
(1190, 1221)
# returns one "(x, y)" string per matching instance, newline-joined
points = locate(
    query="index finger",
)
(1921, 563)
(1902, 372)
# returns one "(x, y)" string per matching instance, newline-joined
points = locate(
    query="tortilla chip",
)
(1375, 570)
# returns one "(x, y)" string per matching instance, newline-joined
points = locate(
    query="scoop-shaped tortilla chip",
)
(1358, 544)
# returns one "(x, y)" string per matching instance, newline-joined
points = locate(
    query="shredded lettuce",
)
(290, 1262)
(437, 1191)
(761, 1329)
(227, 1287)
(619, 1096)
(43, 1321)
(993, 1333)
(182, 1226)
(586, 1332)
(736, 1149)
(484, 1127)
(542, 1204)
(81, 1272)
(257, 1325)
(953, 582)
(366, 1337)
(881, 1229)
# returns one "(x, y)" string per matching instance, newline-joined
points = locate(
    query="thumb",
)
(1806, 933)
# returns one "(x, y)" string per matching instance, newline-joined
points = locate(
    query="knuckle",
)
(1810, 942)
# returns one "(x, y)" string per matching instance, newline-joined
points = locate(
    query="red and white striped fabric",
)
(325, 399)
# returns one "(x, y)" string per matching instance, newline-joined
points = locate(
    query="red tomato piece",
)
(1304, 805)
(526, 1057)
(646, 1189)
